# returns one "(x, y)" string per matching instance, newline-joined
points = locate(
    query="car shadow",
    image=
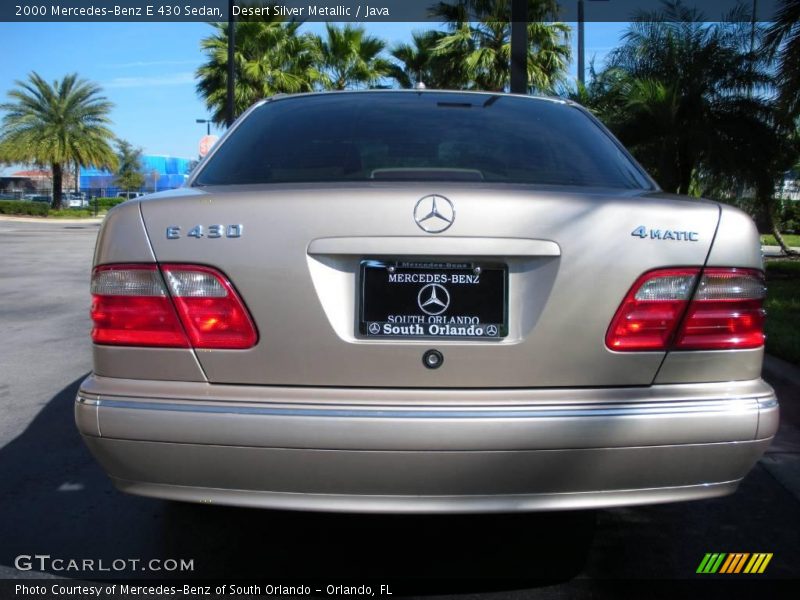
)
(449, 552)
(56, 501)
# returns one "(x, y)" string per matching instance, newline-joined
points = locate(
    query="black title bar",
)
(342, 10)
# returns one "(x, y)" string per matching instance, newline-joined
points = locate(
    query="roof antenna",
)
(419, 85)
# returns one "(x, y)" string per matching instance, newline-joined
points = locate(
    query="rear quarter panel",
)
(736, 244)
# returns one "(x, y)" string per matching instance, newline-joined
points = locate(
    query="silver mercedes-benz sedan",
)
(424, 301)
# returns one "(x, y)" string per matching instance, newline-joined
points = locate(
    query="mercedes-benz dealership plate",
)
(427, 299)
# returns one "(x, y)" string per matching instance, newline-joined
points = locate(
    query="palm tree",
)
(418, 63)
(477, 49)
(57, 125)
(683, 92)
(692, 102)
(350, 58)
(602, 93)
(270, 58)
(783, 41)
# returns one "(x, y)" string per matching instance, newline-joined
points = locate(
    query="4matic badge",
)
(665, 234)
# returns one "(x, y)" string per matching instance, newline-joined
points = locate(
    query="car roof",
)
(419, 92)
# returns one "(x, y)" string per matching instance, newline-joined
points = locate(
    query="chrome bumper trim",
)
(315, 418)
(539, 412)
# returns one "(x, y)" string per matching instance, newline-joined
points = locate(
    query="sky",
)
(147, 69)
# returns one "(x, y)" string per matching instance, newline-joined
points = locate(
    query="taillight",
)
(189, 306)
(649, 314)
(131, 307)
(726, 311)
(659, 312)
(210, 309)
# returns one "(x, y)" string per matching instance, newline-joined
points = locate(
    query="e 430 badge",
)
(665, 234)
(208, 231)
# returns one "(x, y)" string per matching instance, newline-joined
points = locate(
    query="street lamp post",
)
(519, 46)
(231, 71)
(581, 45)
(208, 124)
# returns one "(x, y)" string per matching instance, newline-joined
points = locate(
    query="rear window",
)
(420, 136)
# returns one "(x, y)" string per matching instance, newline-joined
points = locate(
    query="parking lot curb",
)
(86, 221)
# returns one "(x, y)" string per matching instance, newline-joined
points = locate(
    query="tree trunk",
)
(765, 192)
(57, 181)
(779, 238)
(685, 169)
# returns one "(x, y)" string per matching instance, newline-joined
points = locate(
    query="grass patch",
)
(792, 239)
(71, 213)
(783, 309)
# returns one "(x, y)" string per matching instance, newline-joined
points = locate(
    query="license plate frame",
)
(410, 299)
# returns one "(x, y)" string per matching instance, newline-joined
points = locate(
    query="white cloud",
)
(182, 78)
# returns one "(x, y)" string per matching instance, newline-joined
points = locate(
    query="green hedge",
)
(10, 207)
(16, 207)
(106, 203)
(71, 213)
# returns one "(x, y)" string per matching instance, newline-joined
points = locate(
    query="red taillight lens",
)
(725, 313)
(210, 309)
(652, 309)
(133, 305)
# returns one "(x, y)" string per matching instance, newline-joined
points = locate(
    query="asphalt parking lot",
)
(55, 500)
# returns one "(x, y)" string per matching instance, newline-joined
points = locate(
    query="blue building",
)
(160, 173)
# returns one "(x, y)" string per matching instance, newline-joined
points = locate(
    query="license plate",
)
(433, 300)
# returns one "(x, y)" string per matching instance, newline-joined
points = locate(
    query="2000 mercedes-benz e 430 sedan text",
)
(427, 301)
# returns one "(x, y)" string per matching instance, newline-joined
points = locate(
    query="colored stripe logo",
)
(733, 563)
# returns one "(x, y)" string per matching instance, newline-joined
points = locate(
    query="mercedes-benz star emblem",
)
(434, 213)
(491, 330)
(433, 299)
(374, 328)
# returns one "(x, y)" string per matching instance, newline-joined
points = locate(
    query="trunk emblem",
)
(434, 213)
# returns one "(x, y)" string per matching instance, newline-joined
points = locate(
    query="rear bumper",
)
(425, 450)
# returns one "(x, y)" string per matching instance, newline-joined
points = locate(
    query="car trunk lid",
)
(296, 254)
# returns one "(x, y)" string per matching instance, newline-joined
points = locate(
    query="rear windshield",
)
(420, 136)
